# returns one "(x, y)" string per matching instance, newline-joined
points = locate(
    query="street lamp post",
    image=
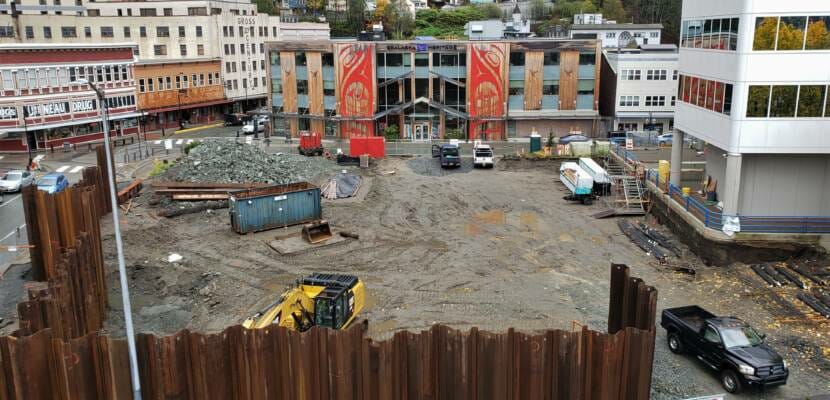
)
(119, 245)
(179, 98)
(144, 128)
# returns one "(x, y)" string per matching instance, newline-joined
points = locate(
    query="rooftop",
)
(614, 27)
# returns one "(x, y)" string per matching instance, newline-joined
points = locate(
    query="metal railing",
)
(748, 223)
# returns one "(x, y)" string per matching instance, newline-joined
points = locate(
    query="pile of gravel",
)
(224, 162)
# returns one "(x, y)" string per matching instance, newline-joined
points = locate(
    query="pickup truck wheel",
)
(675, 345)
(730, 381)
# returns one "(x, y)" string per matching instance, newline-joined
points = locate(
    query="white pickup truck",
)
(482, 155)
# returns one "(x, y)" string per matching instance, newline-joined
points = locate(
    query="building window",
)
(200, 49)
(788, 33)
(818, 33)
(215, 11)
(160, 84)
(421, 60)
(550, 88)
(656, 75)
(654, 34)
(47, 32)
(224, 31)
(783, 101)
(241, 48)
(92, 12)
(241, 32)
(630, 75)
(811, 101)
(674, 75)
(629, 101)
(245, 84)
(160, 50)
(517, 88)
(8, 31)
(198, 31)
(142, 31)
(87, 32)
(141, 86)
(163, 31)
(244, 66)
(299, 59)
(30, 32)
(168, 83)
(714, 34)
(147, 12)
(168, 12)
(196, 10)
(611, 35)
(150, 85)
(183, 49)
(517, 59)
(274, 33)
(302, 86)
(551, 58)
(67, 32)
(587, 59)
(126, 31)
(655, 101)
(181, 32)
(106, 32)
(712, 95)
(673, 100)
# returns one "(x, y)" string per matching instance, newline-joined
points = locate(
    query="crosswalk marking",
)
(180, 141)
(157, 142)
(63, 168)
(76, 169)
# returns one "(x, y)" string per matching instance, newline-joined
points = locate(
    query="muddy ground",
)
(492, 248)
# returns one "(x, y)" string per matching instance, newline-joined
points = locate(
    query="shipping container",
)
(254, 210)
(374, 146)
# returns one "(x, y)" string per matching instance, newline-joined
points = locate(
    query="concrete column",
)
(676, 158)
(731, 187)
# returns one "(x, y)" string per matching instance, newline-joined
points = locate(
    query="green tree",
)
(265, 7)
(567, 9)
(316, 6)
(539, 10)
(356, 16)
(491, 11)
(392, 133)
(399, 20)
(613, 10)
(379, 9)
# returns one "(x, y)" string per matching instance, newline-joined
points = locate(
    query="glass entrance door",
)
(421, 131)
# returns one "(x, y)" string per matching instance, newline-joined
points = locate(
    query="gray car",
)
(14, 181)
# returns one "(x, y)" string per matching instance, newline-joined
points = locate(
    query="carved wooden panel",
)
(533, 80)
(357, 88)
(289, 81)
(568, 79)
(314, 65)
(487, 89)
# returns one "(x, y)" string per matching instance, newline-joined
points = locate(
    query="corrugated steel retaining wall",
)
(275, 363)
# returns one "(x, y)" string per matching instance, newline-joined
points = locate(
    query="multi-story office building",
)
(754, 85)
(197, 30)
(41, 104)
(639, 88)
(484, 89)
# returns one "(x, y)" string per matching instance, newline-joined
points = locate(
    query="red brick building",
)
(42, 107)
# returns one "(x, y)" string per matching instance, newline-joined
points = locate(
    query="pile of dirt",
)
(224, 162)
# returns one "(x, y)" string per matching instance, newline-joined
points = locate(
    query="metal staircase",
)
(627, 194)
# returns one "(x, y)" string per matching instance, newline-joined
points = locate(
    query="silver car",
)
(14, 181)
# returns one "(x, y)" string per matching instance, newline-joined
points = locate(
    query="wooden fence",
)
(276, 363)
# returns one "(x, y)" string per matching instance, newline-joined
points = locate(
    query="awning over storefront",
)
(188, 106)
(112, 117)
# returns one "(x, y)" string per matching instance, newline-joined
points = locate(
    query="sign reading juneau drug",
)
(58, 108)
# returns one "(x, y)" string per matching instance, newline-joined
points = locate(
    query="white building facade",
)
(645, 88)
(618, 35)
(167, 30)
(754, 78)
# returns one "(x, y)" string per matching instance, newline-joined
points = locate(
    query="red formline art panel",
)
(486, 90)
(356, 74)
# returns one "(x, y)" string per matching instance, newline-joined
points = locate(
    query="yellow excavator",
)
(328, 300)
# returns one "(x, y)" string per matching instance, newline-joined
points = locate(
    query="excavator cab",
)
(334, 307)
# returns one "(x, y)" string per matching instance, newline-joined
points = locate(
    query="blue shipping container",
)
(254, 210)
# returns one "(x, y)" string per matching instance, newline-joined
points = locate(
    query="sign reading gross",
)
(8, 113)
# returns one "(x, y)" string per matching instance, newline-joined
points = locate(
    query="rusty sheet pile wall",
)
(276, 363)
(67, 260)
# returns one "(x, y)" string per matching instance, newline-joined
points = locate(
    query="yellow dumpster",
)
(664, 169)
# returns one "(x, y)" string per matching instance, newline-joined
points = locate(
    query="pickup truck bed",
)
(692, 316)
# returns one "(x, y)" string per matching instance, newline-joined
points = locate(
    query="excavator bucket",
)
(317, 232)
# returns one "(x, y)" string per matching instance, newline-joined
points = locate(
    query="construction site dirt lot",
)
(494, 249)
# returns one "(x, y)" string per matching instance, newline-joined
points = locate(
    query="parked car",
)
(253, 126)
(482, 156)
(447, 154)
(53, 182)
(568, 139)
(233, 120)
(725, 344)
(16, 180)
(666, 139)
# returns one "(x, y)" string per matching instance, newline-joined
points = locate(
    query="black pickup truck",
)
(727, 345)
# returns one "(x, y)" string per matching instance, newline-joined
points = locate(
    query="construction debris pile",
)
(811, 282)
(224, 162)
(341, 186)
